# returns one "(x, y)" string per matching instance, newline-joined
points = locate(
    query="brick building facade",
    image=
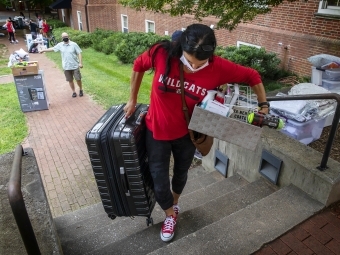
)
(293, 30)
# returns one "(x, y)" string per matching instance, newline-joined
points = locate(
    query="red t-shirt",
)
(45, 27)
(9, 27)
(165, 117)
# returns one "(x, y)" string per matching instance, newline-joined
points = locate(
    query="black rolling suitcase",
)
(120, 164)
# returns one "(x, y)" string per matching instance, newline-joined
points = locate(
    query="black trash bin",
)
(21, 23)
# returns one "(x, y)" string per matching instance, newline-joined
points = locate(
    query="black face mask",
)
(65, 39)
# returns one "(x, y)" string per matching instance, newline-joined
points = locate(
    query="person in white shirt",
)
(40, 24)
(71, 59)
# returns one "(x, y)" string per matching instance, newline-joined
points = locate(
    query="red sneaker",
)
(168, 228)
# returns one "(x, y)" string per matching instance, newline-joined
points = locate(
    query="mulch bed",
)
(320, 144)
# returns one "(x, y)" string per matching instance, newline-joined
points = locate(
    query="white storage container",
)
(331, 74)
(332, 86)
(305, 132)
(316, 76)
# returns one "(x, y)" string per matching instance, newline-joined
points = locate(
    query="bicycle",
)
(51, 39)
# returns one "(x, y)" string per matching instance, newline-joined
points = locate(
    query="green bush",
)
(109, 44)
(55, 23)
(266, 63)
(135, 43)
(83, 39)
(58, 31)
(219, 51)
(98, 37)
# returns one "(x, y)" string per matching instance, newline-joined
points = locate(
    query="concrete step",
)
(214, 208)
(97, 210)
(266, 220)
(95, 232)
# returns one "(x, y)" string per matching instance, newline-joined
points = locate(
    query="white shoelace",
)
(169, 224)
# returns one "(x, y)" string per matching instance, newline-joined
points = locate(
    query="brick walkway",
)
(57, 137)
(319, 235)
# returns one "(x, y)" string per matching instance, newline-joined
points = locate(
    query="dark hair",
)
(197, 40)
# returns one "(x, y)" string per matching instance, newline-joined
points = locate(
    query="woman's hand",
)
(129, 109)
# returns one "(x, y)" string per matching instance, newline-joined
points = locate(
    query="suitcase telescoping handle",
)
(139, 119)
(123, 180)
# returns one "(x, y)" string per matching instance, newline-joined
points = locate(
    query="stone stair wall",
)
(218, 216)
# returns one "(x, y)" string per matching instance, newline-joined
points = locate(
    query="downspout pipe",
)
(87, 16)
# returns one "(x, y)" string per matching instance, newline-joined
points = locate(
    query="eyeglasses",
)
(195, 47)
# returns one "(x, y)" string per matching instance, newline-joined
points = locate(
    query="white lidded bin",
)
(316, 76)
(305, 132)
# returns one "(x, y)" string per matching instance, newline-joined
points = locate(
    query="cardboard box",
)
(26, 70)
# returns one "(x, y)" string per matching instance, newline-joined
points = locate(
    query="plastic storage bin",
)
(331, 74)
(332, 86)
(305, 132)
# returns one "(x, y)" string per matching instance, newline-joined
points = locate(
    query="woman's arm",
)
(261, 96)
(136, 80)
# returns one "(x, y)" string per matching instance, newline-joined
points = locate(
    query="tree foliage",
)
(31, 4)
(229, 12)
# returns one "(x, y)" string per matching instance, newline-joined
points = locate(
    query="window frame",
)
(240, 43)
(330, 10)
(63, 15)
(122, 16)
(147, 28)
(80, 23)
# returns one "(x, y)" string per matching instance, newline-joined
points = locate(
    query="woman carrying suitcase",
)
(167, 130)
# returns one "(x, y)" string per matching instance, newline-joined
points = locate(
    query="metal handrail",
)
(335, 123)
(18, 205)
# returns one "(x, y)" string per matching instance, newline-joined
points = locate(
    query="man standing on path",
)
(33, 28)
(71, 61)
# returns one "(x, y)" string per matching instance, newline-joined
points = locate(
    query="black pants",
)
(11, 36)
(159, 153)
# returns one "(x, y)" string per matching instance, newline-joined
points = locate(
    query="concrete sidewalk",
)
(57, 137)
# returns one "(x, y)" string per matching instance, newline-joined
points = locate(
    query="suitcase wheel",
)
(112, 216)
(149, 221)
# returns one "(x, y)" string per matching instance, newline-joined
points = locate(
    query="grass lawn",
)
(106, 79)
(13, 126)
(4, 70)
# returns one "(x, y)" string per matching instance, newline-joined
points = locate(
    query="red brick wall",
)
(79, 5)
(293, 25)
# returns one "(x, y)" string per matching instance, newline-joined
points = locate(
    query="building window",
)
(63, 14)
(125, 28)
(80, 23)
(239, 43)
(331, 7)
(149, 26)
